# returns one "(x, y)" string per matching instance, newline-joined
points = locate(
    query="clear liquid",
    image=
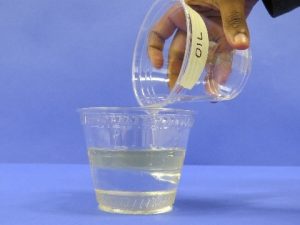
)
(136, 181)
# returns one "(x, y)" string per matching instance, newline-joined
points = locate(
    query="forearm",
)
(279, 7)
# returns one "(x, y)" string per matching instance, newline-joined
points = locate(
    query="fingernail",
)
(241, 38)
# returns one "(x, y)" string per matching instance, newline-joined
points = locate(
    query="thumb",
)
(234, 23)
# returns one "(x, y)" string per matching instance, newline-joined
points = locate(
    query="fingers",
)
(155, 48)
(216, 35)
(162, 30)
(223, 67)
(234, 23)
(176, 56)
(218, 68)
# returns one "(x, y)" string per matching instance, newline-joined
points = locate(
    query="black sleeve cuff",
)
(279, 7)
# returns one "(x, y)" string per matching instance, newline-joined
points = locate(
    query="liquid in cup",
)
(135, 180)
(136, 157)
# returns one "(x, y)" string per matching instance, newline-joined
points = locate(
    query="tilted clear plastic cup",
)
(136, 156)
(182, 55)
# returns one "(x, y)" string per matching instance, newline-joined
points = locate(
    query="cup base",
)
(141, 212)
(124, 202)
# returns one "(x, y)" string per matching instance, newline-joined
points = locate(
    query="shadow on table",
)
(73, 202)
(84, 203)
(198, 206)
(255, 203)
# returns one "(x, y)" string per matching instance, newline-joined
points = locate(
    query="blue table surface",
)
(44, 194)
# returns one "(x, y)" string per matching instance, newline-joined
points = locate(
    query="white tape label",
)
(198, 50)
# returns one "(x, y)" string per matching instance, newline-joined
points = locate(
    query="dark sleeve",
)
(279, 7)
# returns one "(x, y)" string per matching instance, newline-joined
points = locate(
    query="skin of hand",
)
(227, 30)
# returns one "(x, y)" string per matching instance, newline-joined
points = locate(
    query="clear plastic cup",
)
(206, 68)
(136, 156)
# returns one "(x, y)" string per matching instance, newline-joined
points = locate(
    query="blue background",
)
(58, 56)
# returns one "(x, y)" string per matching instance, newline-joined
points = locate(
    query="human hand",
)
(227, 30)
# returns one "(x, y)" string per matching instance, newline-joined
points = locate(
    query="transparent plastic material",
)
(223, 77)
(136, 156)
